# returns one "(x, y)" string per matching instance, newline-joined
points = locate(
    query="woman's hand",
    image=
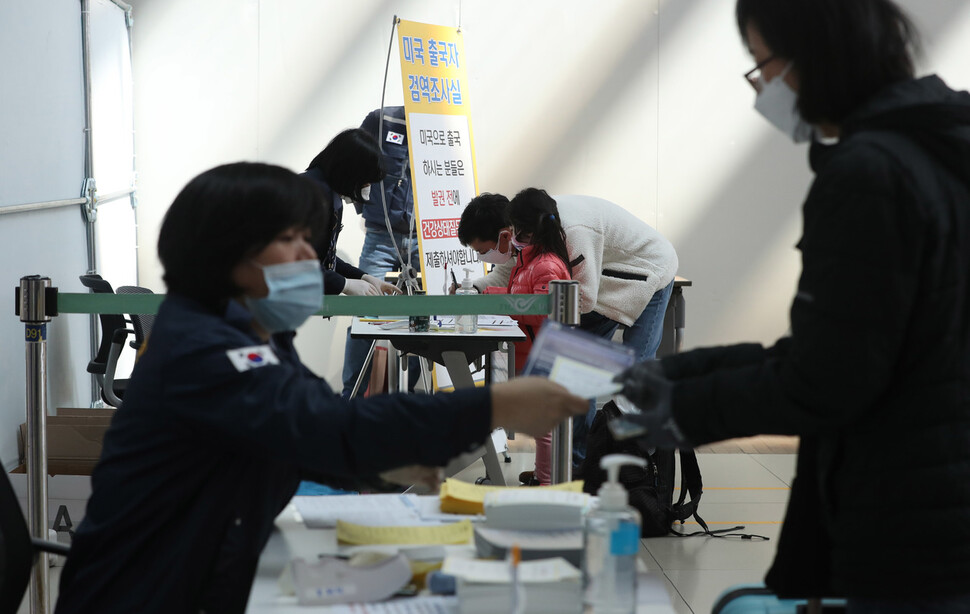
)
(533, 405)
(359, 287)
(382, 286)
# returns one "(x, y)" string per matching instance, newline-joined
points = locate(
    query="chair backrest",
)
(16, 550)
(110, 322)
(141, 322)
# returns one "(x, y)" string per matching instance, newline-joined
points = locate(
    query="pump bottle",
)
(611, 540)
(468, 323)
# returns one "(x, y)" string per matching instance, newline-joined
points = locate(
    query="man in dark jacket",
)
(875, 377)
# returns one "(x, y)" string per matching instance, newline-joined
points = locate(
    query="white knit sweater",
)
(611, 239)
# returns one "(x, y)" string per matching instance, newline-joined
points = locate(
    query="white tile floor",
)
(747, 489)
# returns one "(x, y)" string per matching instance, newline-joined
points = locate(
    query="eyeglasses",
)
(753, 76)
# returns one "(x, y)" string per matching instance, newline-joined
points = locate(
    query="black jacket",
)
(876, 374)
(336, 272)
(215, 433)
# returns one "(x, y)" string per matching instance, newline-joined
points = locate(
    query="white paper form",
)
(374, 510)
(498, 572)
(582, 379)
(411, 605)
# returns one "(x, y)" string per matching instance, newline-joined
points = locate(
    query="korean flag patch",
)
(252, 357)
(395, 137)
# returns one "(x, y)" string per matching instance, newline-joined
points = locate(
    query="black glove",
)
(648, 388)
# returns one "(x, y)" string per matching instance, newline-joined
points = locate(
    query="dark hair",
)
(351, 160)
(484, 216)
(844, 51)
(533, 210)
(227, 214)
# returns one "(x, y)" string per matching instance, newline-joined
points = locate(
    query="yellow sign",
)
(442, 152)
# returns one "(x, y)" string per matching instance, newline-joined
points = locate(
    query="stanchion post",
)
(34, 311)
(564, 306)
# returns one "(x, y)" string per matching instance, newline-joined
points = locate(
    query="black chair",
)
(114, 330)
(18, 550)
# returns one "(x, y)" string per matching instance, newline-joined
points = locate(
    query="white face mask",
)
(365, 192)
(776, 101)
(494, 256)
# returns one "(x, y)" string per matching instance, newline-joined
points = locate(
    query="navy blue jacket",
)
(393, 137)
(205, 453)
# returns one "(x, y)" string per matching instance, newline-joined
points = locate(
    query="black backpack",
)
(651, 488)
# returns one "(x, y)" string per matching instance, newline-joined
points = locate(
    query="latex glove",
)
(359, 287)
(649, 389)
(382, 286)
(425, 479)
(533, 405)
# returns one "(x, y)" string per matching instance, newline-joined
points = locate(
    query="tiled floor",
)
(739, 488)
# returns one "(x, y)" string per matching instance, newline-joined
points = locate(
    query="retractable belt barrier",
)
(490, 304)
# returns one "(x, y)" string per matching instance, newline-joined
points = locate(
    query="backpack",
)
(651, 488)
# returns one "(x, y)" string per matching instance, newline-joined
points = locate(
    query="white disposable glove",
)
(382, 286)
(359, 287)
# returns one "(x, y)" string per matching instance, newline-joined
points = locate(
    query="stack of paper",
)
(459, 497)
(535, 509)
(550, 586)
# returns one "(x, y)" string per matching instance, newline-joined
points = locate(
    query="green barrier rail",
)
(498, 304)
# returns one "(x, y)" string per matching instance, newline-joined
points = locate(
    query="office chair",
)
(18, 550)
(114, 331)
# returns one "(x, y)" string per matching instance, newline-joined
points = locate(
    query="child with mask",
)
(534, 235)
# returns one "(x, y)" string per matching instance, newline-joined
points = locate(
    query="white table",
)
(292, 539)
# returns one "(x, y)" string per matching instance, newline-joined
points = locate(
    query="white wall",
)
(638, 101)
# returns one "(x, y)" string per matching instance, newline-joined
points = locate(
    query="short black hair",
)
(351, 160)
(533, 211)
(844, 51)
(227, 214)
(483, 218)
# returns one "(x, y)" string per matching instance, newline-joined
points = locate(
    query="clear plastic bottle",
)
(467, 324)
(611, 540)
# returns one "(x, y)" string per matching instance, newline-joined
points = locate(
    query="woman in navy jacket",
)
(221, 419)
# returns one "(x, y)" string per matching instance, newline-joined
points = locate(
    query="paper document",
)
(455, 533)
(483, 320)
(583, 363)
(583, 380)
(499, 572)
(380, 510)
(464, 498)
(411, 605)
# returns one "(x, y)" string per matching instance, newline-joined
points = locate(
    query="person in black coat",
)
(345, 170)
(875, 376)
(221, 419)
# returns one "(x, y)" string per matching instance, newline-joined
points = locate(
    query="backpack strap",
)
(691, 483)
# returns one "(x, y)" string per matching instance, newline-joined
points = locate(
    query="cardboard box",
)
(74, 439)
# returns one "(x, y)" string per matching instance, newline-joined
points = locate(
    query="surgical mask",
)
(519, 245)
(365, 192)
(494, 256)
(295, 294)
(776, 101)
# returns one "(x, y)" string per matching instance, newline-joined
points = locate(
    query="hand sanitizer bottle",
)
(610, 541)
(467, 324)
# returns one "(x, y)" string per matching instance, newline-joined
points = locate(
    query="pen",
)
(518, 595)
(454, 279)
